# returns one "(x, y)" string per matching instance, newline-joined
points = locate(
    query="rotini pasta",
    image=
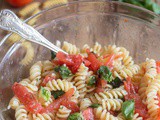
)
(50, 3)
(97, 83)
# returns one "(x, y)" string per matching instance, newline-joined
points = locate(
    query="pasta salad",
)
(91, 83)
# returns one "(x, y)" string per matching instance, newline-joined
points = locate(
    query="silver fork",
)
(10, 22)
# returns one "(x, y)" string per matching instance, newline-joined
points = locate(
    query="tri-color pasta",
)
(91, 83)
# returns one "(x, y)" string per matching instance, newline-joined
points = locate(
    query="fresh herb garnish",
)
(75, 116)
(116, 82)
(95, 105)
(63, 71)
(104, 73)
(57, 93)
(128, 109)
(53, 54)
(148, 4)
(92, 81)
(45, 94)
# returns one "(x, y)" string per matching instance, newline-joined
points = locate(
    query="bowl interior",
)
(82, 23)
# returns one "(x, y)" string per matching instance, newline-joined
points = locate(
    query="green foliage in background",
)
(148, 4)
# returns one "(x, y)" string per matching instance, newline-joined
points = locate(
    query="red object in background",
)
(18, 3)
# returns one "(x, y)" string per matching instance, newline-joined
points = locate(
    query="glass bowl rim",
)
(83, 1)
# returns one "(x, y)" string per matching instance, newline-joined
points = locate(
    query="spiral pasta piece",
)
(136, 117)
(47, 68)
(35, 72)
(21, 113)
(152, 99)
(79, 80)
(127, 59)
(29, 9)
(13, 38)
(111, 94)
(102, 114)
(85, 103)
(111, 104)
(29, 53)
(50, 3)
(44, 116)
(97, 48)
(70, 48)
(123, 72)
(62, 113)
(14, 103)
(30, 87)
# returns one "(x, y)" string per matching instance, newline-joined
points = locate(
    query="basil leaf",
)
(117, 82)
(105, 73)
(53, 54)
(75, 116)
(63, 71)
(92, 81)
(57, 93)
(128, 109)
(95, 105)
(45, 94)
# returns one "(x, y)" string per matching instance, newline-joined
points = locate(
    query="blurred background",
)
(27, 8)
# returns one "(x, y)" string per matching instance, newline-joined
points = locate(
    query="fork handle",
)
(10, 22)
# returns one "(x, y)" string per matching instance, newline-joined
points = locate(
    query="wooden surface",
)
(4, 5)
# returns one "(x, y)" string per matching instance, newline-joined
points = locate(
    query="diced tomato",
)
(88, 51)
(48, 78)
(77, 59)
(158, 118)
(86, 62)
(72, 61)
(103, 83)
(95, 63)
(158, 66)
(64, 59)
(71, 105)
(27, 98)
(140, 107)
(56, 103)
(98, 90)
(88, 114)
(18, 3)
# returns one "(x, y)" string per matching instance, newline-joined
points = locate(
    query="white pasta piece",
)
(44, 116)
(111, 94)
(14, 103)
(13, 38)
(29, 9)
(29, 53)
(123, 72)
(80, 79)
(62, 113)
(35, 72)
(127, 60)
(83, 50)
(85, 103)
(102, 114)
(47, 68)
(97, 48)
(50, 3)
(21, 113)
(111, 104)
(152, 101)
(70, 48)
(136, 117)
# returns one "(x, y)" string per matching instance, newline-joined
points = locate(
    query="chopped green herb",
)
(92, 81)
(116, 82)
(64, 71)
(95, 105)
(53, 54)
(57, 93)
(105, 73)
(148, 4)
(45, 94)
(128, 109)
(75, 116)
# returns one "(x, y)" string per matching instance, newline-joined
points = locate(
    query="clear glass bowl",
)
(80, 23)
